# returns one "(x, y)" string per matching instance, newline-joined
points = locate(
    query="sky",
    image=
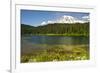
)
(36, 17)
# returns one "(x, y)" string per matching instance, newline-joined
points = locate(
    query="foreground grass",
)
(58, 53)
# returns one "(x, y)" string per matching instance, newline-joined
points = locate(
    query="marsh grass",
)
(57, 53)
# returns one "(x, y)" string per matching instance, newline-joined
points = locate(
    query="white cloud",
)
(50, 22)
(43, 23)
(79, 21)
(86, 18)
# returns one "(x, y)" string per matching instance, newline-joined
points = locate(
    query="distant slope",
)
(26, 29)
(80, 29)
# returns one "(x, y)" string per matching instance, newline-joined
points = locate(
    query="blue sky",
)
(36, 17)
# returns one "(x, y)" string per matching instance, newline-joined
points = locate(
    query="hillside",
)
(76, 29)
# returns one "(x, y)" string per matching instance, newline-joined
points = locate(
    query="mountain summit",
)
(66, 19)
(70, 19)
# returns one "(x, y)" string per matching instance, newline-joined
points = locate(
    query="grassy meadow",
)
(57, 53)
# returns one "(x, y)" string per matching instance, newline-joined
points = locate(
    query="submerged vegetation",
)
(58, 53)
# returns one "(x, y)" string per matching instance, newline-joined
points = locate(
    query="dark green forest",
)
(63, 29)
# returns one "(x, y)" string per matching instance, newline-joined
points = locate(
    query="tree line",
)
(57, 28)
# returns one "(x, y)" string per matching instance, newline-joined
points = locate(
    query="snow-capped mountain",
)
(67, 19)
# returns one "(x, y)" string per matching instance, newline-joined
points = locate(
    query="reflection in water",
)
(30, 43)
(56, 40)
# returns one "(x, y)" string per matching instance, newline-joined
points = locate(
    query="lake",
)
(52, 40)
(29, 43)
(32, 45)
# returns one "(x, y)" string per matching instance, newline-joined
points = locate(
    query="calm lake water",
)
(30, 43)
(52, 40)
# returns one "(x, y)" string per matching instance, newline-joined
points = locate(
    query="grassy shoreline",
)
(58, 53)
(85, 35)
